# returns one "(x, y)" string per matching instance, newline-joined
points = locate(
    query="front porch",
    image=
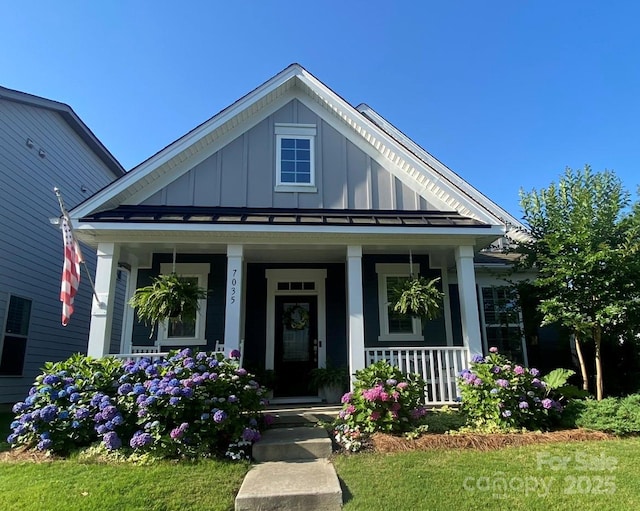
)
(341, 287)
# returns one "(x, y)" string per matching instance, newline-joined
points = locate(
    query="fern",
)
(418, 297)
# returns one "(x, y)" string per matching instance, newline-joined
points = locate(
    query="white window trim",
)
(299, 131)
(4, 333)
(519, 324)
(385, 270)
(201, 271)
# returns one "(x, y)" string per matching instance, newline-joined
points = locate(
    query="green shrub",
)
(444, 419)
(620, 416)
(498, 395)
(184, 405)
(383, 399)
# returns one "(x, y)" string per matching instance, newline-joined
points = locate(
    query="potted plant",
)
(417, 297)
(169, 296)
(331, 382)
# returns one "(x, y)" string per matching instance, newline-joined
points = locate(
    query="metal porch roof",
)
(282, 216)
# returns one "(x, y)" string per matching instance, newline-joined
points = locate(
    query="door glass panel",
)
(295, 333)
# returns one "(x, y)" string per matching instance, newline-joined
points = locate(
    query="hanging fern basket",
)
(169, 296)
(417, 297)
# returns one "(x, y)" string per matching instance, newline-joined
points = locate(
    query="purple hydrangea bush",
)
(498, 395)
(187, 405)
(383, 399)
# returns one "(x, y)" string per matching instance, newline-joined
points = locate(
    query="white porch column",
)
(355, 308)
(233, 301)
(102, 312)
(471, 336)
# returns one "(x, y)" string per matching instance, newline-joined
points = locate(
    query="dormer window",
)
(295, 158)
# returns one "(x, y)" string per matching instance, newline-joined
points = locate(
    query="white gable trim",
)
(172, 162)
(248, 105)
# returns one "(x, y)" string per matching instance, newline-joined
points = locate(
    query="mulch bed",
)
(487, 442)
(23, 454)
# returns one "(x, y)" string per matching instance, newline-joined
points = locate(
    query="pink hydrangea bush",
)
(383, 399)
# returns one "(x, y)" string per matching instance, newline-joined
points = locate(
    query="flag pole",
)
(56, 190)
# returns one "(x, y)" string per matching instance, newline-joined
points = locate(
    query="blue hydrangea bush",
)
(498, 395)
(187, 405)
(383, 400)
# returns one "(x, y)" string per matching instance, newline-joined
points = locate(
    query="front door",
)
(296, 344)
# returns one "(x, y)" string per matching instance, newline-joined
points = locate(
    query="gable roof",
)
(366, 129)
(515, 228)
(72, 119)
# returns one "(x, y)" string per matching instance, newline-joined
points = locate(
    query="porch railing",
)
(153, 352)
(439, 366)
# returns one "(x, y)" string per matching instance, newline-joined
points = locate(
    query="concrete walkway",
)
(292, 470)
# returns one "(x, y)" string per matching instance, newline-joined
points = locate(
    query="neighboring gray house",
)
(43, 144)
(300, 212)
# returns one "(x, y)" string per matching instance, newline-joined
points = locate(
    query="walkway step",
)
(302, 416)
(303, 485)
(283, 444)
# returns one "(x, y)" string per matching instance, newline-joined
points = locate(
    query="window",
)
(14, 342)
(186, 333)
(394, 326)
(295, 157)
(502, 319)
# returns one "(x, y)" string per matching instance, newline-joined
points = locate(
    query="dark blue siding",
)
(215, 300)
(434, 330)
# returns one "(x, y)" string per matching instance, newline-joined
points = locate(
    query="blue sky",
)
(506, 93)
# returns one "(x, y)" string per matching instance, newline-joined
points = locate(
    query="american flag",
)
(70, 271)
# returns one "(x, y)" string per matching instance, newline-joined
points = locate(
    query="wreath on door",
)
(295, 317)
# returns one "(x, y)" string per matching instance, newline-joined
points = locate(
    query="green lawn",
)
(438, 480)
(72, 485)
(464, 480)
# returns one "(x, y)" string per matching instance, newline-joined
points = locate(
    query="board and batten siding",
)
(243, 173)
(31, 250)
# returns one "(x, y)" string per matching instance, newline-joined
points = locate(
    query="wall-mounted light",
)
(29, 143)
(83, 189)
(42, 153)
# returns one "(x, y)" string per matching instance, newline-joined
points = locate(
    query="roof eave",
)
(72, 119)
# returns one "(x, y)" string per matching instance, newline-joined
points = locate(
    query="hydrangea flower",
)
(493, 349)
(140, 439)
(219, 416)
(44, 444)
(112, 441)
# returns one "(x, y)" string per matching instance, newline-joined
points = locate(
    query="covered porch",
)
(250, 284)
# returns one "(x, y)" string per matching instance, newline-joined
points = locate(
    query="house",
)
(43, 144)
(300, 212)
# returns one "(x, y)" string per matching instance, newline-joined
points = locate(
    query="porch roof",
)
(283, 216)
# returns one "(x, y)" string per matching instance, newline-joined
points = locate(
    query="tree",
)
(586, 250)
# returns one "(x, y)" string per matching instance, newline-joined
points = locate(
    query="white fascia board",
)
(176, 148)
(329, 229)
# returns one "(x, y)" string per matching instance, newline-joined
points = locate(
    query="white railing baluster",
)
(439, 366)
(456, 371)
